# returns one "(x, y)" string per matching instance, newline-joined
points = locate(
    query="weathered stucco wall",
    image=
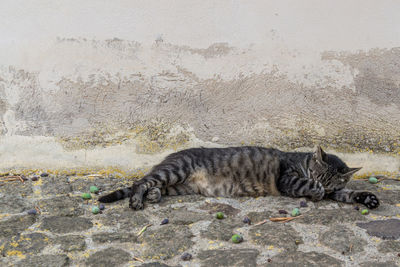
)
(100, 84)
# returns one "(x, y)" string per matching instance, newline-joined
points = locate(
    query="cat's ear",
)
(352, 171)
(319, 155)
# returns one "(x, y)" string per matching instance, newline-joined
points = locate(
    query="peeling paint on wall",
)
(269, 108)
(378, 73)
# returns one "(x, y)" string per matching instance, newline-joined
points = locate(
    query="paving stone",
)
(212, 208)
(105, 185)
(181, 216)
(386, 210)
(379, 264)
(385, 229)
(25, 243)
(156, 264)
(260, 216)
(62, 206)
(231, 257)
(71, 242)
(389, 197)
(4, 261)
(389, 246)
(124, 218)
(17, 188)
(333, 216)
(16, 225)
(390, 182)
(108, 257)
(166, 242)
(343, 240)
(58, 224)
(309, 259)
(115, 237)
(14, 204)
(221, 229)
(275, 234)
(55, 185)
(168, 200)
(45, 260)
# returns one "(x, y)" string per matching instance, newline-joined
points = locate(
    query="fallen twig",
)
(143, 229)
(11, 178)
(260, 223)
(138, 259)
(283, 219)
(279, 219)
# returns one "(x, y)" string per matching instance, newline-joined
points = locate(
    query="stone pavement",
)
(66, 233)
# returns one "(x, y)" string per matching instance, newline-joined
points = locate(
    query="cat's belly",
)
(221, 186)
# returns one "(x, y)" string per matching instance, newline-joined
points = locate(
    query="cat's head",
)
(330, 170)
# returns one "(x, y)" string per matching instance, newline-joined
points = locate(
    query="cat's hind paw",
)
(368, 199)
(136, 202)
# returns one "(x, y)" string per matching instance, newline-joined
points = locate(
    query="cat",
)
(246, 171)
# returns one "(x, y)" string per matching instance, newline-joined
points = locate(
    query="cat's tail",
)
(116, 195)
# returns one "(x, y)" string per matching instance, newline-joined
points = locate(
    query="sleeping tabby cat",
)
(246, 171)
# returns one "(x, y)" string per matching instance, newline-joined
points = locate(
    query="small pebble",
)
(364, 212)
(35, 178)
(303, 204)
(357, 208)
(269, 260)
(95, 210)
(93, 189)
(372, 180)
(32, 212)
(219, 215)
(247, 220)
(237, 238)
(186, 256)
(283, 212)
(44, 174)
(86, 196)
(102, 207)
(295, 212)
(165, 221)
(298, 242)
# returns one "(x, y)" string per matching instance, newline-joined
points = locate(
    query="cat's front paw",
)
(153, 195)
(368, 199)
(136, 202)
(317, 194)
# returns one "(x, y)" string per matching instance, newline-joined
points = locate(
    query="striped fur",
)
(242, 171)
